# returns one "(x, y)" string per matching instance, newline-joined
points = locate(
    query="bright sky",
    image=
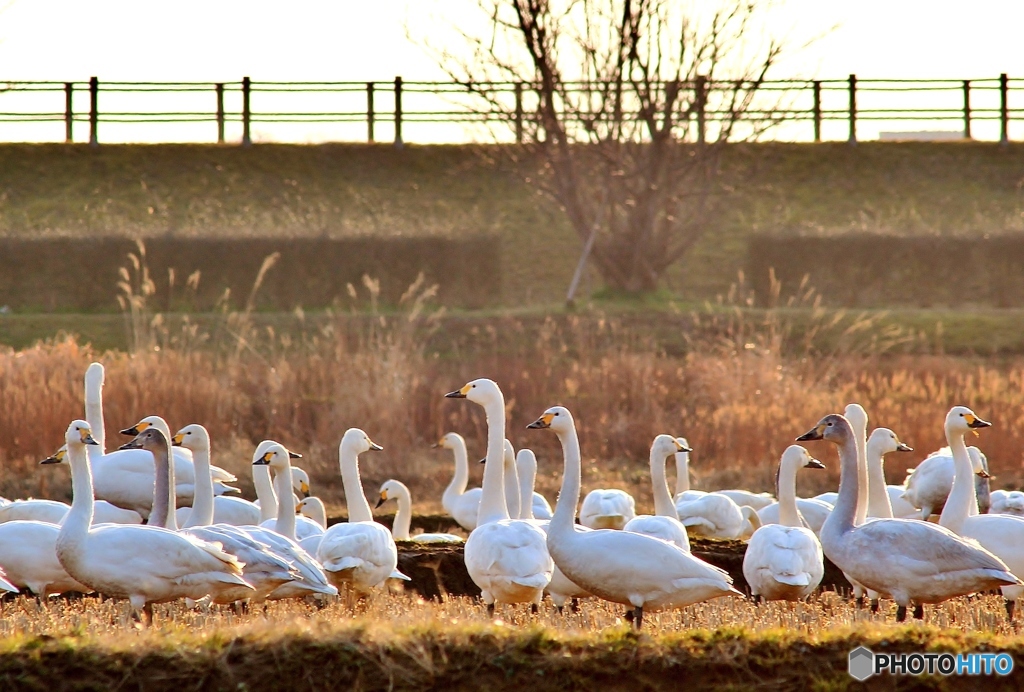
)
(360, 40)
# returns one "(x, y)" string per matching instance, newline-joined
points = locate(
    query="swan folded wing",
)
(515, 550)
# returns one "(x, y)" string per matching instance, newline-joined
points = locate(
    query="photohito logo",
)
(864, 663)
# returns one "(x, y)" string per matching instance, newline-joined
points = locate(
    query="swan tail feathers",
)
(793, 579)
(395, 574)
(534, 581)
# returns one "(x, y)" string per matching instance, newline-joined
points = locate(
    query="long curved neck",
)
(879, 504)
(164, 498)
(202, 500)
(663, 505)
(492, 501)
(962, 496)
(526, 476)
(75, 526)
(563, 519)
(285, 509)
(788, 514)
(840, 519)
(403, 517)
(458, 484)
(355, 498)
(863, 484)
(513, 491)
(94, 413)
(316, 511)
(682, 472)
(265, 492)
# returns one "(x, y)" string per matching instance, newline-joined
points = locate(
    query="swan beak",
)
(904, 447)
(974, 422)
(483, 461)
(89, 440)
(294, 455)
(298, 508)
(176, 440)
(56, 458)
(135, 429)
(682, 448)
(983, 474)
(304, 488)
(374, 447)
(457, 394)
(542, 422)
(814, 464)
(382, 500)
(263, 460)
(134, 444)
(814, 433)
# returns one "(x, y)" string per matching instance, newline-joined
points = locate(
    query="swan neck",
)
(493, 506)
(879, 504)
(682, 472)
(513, 492)
(860, 435)
(285, 508)
(788, 513)
(202, 500)
(355, 498)
(663, 505)
(162, 514)
(264, 492)
(962, 496)
(840, 519)
(564, 516)
(75, 526)
(526, 475)
(458, 483)
(94, 416)
(403, 517)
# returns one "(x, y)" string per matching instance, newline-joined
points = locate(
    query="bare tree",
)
(627, 104)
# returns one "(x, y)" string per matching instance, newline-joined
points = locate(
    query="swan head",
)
(94, 376)
(356, 441)
(275, 456)
(263, 446)
(961, 419)
(449, 441)
(58, 457)
(149, 422)
(664, 446)
(300, 481)
(556, 418)
(151, 439)
(883, 441)
(856, 415)
(833, 427)
(194, 437)
(391, 490)
(482, 391)
(79, 433)
(795, 454)
(526, 459)
(508, 455)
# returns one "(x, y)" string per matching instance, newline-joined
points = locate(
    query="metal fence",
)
(806, 107)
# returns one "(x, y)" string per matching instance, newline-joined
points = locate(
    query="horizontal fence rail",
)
(800, 110)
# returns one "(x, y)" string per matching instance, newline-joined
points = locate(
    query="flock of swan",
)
(226, 550)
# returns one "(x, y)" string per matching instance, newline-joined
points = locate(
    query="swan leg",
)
(638, 617)
(534, 608)
(756, 598)
(1010, 606)
(901, 613)
(490, 610)
(919, 612)
(874, 605)
(574, 605)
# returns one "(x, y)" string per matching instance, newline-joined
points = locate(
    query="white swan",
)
(714, 514)
(928, 485)
(208, 508)
(396, 490)
(53, 512)
(664, 524)
(784, 562)
(747, 498)
(1001, 534)
(607, 508)
(266, 497)
(538, 507)
(462, 504)
(1007, 502)
(507, 558)
(908, 560)
(312, 508)
(620, 566)
(144, 564)
(287, 522)
(359, 552)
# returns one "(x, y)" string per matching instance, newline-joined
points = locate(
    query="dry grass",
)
(393, 641)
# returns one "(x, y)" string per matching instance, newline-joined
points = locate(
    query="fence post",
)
(700, 101)
(69, 114)
(967, 109)
(94, 114)
(853, 109)
(246, 113)
(369, 112)
(519, 112)
(1004, 110)
(220, 113)
(817, 110)
(398, 113)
